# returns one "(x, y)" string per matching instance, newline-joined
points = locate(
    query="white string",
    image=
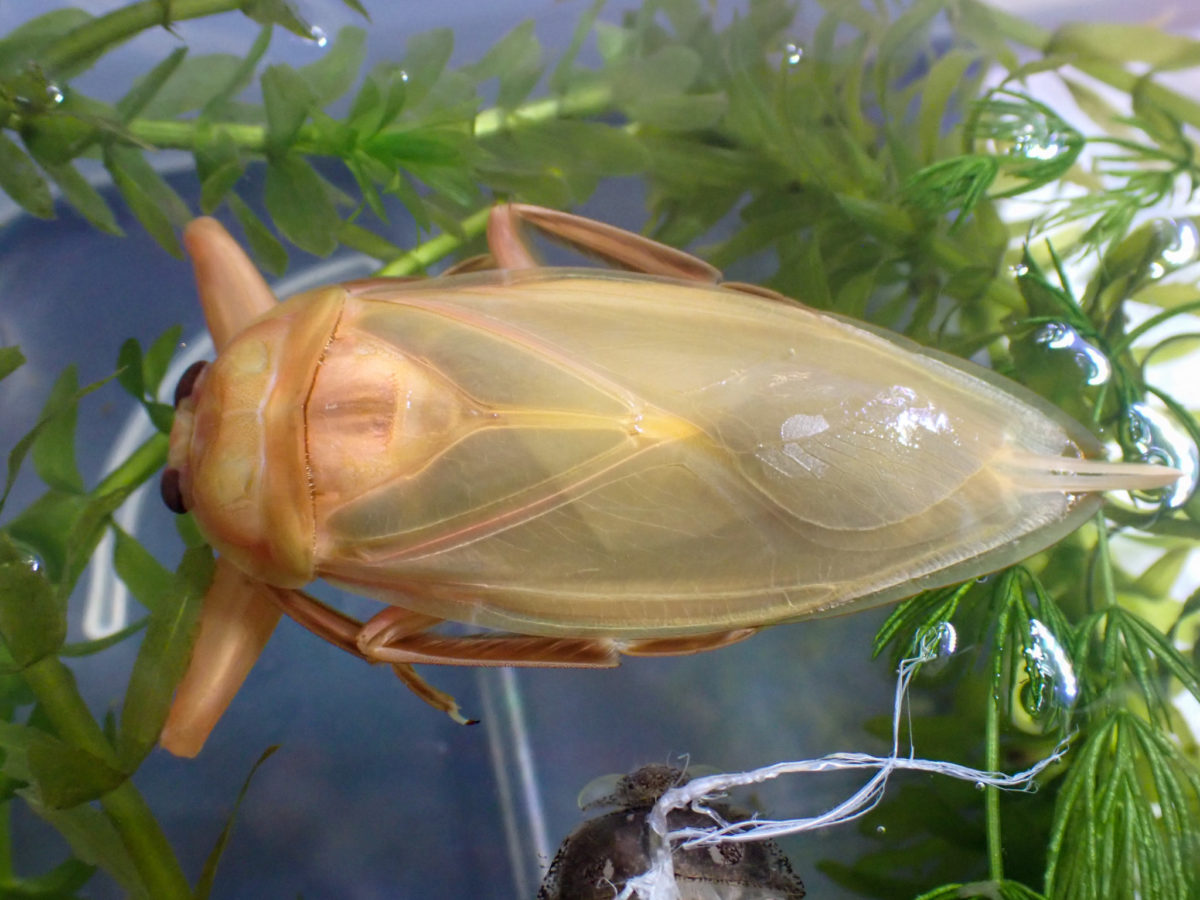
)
(658, 882)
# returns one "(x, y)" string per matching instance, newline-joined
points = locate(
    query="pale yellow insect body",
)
(593, 463)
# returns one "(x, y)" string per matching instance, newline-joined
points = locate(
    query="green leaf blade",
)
(94, 840)
(150, 85)
(129, 369)
(515, 61)
(425, 58)
(147, 580)
(27, 41)
(163, 656)
(266, 248)
(11, 359)
(278, 12)
(239, 77)
(1126, 42)
(299, 203)
(85, 199)
(21, 180)
(288, 100)
(53, 450)
(336, 71)
(66, 776)
(151, 200)
(158, 358)
(219, 164)
(209, 873)
(32, 624)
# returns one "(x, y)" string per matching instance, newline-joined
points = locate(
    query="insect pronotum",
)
(587, 463)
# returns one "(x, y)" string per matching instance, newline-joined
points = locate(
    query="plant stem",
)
(170, 134)
(138, 467)
(6, 865)
(421, 256)
(55, 688)
(92, 38)
(147, 845)
(1104, 568)
(586, 101)
(992, 732)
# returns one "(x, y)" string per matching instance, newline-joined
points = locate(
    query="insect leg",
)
(493, 650)
(343, 631)
(482, 262)
(686, 644)
(238, 617)
(617, 246)
(398, 636)
(324, 621)
(435, 697)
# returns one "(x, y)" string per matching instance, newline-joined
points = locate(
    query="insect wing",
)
(621, 454)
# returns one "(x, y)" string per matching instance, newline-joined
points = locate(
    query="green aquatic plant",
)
(864, 166)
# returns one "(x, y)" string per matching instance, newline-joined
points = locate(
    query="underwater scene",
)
(566, 450)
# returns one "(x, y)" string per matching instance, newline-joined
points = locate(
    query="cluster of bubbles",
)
(1024, 136)
(1152, 432)
(1052, 685)
(1037, 141)
(1158, 438)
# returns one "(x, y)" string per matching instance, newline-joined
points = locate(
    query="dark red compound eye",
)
(172, 494)
(187, 381)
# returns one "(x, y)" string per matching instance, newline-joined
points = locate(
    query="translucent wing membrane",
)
(638, 456)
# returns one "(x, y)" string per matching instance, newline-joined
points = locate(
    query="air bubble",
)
(937, 643)
(881, 829)
(947, 639)
(318, 36)
(28, 556)
(54, 93)
(1031, 144)
(792, 53)
(1159, 439)
(1052, 684)
(1182, 244)
(1060, 336)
